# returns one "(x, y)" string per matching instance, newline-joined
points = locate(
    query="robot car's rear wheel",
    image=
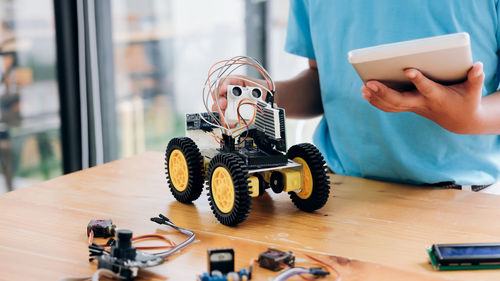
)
(228, 189)
(184, 165)
(316, 186)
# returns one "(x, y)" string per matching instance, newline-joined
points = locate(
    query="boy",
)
(440, 135)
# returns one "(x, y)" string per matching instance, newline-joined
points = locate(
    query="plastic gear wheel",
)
(321, 183)
(239, 175)
(194, 162)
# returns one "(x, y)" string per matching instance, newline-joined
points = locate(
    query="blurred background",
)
(84, 82)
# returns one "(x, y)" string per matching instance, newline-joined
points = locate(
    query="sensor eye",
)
(256, 93)
(236, 91)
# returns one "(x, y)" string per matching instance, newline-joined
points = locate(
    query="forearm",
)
(490, 115)
(301, 95)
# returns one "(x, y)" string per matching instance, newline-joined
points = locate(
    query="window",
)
(30, 148)
(163, 50)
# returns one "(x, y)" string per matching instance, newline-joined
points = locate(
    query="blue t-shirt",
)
(360, 140)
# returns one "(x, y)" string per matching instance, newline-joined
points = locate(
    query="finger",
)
(401, 101)
(222, 91)
(377, 103)
(423, 84)
(226, 81)
(222, 101)
(475, 78)
(374, 100)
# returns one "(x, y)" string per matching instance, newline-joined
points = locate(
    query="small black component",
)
(123, 248)
(266, 123)
(256, 158)
(198, 121)
(237, 91)
(256, 93)
(101, 228)
(161, 219)
(476, 254)
(277, 182)
(273, 259)
(263, 185)
(111, 242)
(96, 250)
(270, 97)
(262, 155)
(123, 259)
(248, 144)
(228, 143)
(221, 260)
(318, 272)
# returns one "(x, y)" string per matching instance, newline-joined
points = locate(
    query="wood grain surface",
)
(368, 230)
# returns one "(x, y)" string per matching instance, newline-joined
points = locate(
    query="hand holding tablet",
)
(432, 77)
(444, 59)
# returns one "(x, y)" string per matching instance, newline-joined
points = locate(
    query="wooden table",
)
(381, 228)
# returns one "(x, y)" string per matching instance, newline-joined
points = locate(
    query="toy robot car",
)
(243, 164)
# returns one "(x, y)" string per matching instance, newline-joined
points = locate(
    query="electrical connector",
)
(318, 272)
(101, 228)
(221, 260)
(161, 219)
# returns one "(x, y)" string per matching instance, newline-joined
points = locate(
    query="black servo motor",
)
(101, 228)
(274, 259)
(124, 259)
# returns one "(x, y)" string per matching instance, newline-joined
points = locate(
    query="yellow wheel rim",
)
(178, 170)
(223, 189)
(307, 180)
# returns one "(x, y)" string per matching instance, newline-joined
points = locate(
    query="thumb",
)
(423, 84)
(475, 78)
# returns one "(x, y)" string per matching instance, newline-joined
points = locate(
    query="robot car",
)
(249, 156)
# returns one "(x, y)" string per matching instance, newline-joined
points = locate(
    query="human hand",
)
(234, 80)
(456, 108)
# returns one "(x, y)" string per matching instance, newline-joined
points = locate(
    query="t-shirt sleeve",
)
(298, 37)
(498, 43)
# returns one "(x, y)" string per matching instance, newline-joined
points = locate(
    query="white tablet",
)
(445, 59)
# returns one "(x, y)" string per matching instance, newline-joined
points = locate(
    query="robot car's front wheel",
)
(184, 165)
(228, 189)
(315, 187)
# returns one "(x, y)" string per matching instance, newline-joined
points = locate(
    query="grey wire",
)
(95, 277)
(106, 273)
(290, 272)
(179, 246)
(219, 78)
(221, 70)
(226, 66)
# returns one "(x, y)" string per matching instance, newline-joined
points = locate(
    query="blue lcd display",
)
(447, 252)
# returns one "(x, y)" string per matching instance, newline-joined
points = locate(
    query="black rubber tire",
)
(321, 183)
(194, 162)
(239, 175)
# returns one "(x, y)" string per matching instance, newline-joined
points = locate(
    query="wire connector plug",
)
(318, 272)
(161, 219)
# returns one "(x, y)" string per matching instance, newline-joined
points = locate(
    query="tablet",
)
(445, 59)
